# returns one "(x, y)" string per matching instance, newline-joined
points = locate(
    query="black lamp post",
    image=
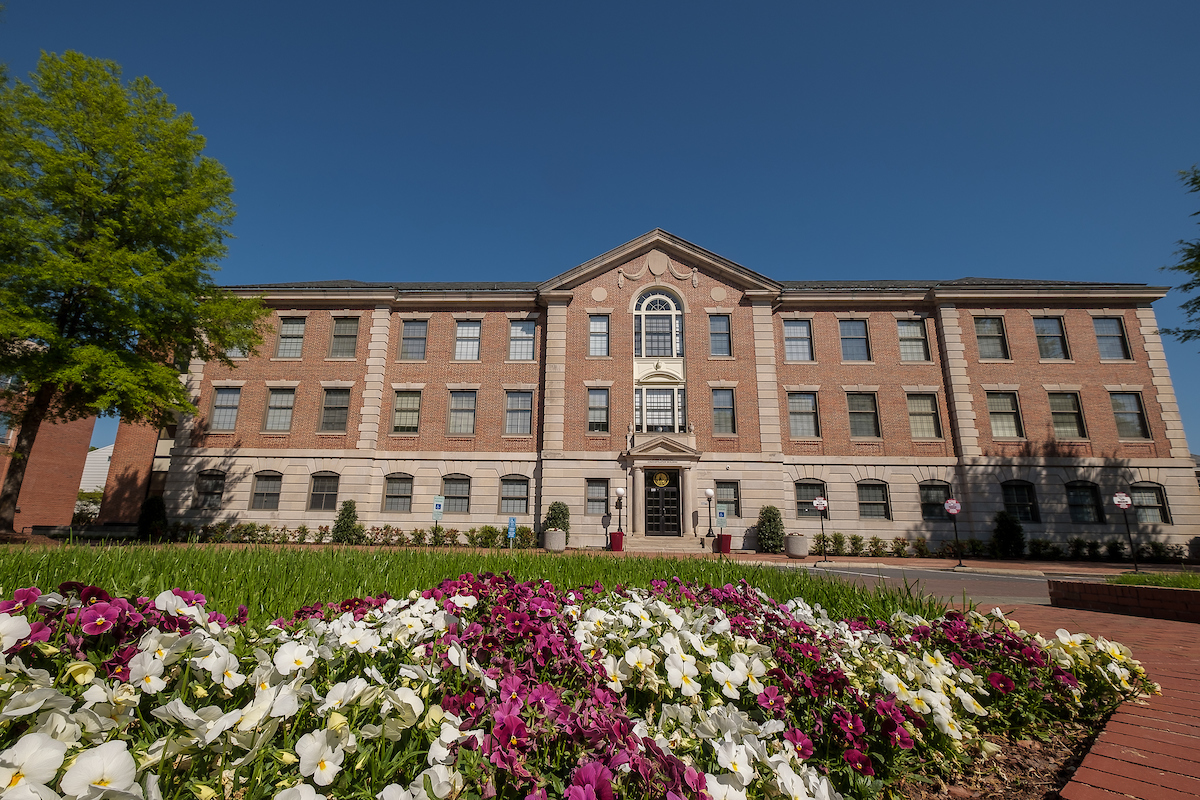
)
(620, 505)
(708, 493)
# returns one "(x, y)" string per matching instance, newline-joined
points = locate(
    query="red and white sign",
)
(820, 503)
(1122, 500)
(953, 506)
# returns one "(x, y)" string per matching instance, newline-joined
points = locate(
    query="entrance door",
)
(662, 502)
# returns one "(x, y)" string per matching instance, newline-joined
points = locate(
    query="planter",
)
(616, 541)
(723, 543)
(795, 545)
(554, 540)
(1156, 602)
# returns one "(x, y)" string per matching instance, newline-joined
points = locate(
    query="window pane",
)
(345, 338)
(514, 496)
(457, 491)
(718, 335)
(279, 409)
(913, 346)
(802, 414)
(1064, 410)
(407, 412)
(806, 492)
(336, 410)
(398, 494)
(923, 417)
(660, 410)
(1110, 336)
(989, 332)
(1051, 341)
(598, 335)
(266, 492)
(1149, 503)
(797, 340)
(1083, 501)
(854, 340)
(658, 336)
(598, 410)
(462, 412)
(1020, 501)
(520, 340)
(933, 500)
(872, 500)
(466, 347)
(324, 493)
(863, 419)
(1002, 410)
(412, 345)
(291, 337)
(597, 497)
(723, 417)
(225, 409)
(1131, 422)
(519, 413)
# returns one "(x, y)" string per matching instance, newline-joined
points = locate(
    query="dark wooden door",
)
(662, 502)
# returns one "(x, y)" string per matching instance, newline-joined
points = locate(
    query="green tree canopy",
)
(111, 224)
(1189, 264)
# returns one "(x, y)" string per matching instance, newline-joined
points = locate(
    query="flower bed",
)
(489, 687)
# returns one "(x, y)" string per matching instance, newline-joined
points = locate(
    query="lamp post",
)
(620, 505)
(708, 493)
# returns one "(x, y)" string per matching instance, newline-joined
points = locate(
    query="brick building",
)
(666, 370)
(51, 484)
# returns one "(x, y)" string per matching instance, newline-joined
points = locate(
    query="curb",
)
(1029, 573)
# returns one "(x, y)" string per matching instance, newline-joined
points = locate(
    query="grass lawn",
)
(1174, 580)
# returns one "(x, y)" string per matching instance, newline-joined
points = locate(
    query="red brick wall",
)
(51, 484)
(128, 473)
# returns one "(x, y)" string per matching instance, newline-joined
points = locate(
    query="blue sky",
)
(400, 141)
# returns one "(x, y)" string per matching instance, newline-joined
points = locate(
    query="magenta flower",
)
(1001, 683)
(22, 599)
(859, 762)
(800, 740)
(98, 618)
(772, 700)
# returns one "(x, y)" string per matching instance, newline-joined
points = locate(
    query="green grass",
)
(273, 582)
(1175, 580)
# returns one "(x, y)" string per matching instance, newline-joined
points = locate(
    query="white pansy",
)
(12, 630)
(35, 759)
(299, 792)
(108, 767)
(394, 791)
(321, 756)
(145, 672)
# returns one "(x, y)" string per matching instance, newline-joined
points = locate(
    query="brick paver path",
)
(1151, 751)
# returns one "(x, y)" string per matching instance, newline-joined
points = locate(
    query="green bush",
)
(489, 536)
(559, 516)
(975, 548)
(876, 547)
(821, 544)
(1076, 545)
(856, 544)
(837, 543)
(1008, 537)
(900, 547)
(526, 538)
(920, 548)
(417, 537)
(346, 529)
(472, 537)
(770, 530)
(1093, 550)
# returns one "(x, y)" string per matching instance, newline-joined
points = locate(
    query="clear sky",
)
(404, 141)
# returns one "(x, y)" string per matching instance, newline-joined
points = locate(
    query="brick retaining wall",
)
(1156, 602)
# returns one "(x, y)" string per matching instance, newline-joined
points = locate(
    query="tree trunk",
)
(28, 424)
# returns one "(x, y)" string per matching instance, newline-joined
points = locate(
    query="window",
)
(280, 403)
(397, 493)
(1110, 338)
(873, 501)
(4, 431)
(466, 343)
(665, 410)
(597, 497)
(989, 334)
(1021, 501)
(462, 413)
(864, 418)
(407, 414)
(235, 352)
(597, 410)
(1149, 503)
(412, 340)
(520, 339)
(1052, 342)
(797, 340)
(723, 417)
(1004, 414)
(719, 343)
(802, 414)
(514, 495)
(267, 486)
(1131, 420)
(934, 495)
(598, 335)
(1083, 501)
(1066, 415)
(913, 344)
(727, 498)
(806, 492)
(324, 492)
(335, 410)
(210, 485)
(923, 419)
(657, 326)
(854, 340)
(344, 343)
(457, 491)
(225, 409)
(291, 337)
(518, 414)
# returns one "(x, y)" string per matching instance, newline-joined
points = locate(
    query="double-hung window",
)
(598, 335)
(1083, 502)
(797, 340)
(1130, 417)
(514, 495)
(407, 413)
(864, 415)
(210, 485)
(462, 413)
(1020, 500)
(913, 344)
(344, 342)
(806, 492)
(291, 337)
(466, 343)
(802, 415)
(267, 487)
(659, 410)
(727, 497)
(597, 497)
(657, 326)
(1005, 415)
(397, 493)
(1150, 503)
(457, 491)
(335, 410)
(518, 413)
(280, 403)
(1110, 338)
(855, 346)
(934, 495)
(923, 416)
(719, 343)
(1051, 338)
(1066, 415)
(324, 492)
(989, 335)
(520, 339)
(412, 340)
(724, 420)
(597, 410)
(225, 408)
(873, 501)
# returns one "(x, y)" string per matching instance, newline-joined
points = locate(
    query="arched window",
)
(806, 492)
(873, 500)
(934, 495)
(397, 493)
(267, 486)
(457, 491)
(210, 485)
(658, 326)
(1150, 503)
(324, 492)
(1020, 500)
(1083, 501)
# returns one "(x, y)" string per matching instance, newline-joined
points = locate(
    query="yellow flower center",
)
(16, 778)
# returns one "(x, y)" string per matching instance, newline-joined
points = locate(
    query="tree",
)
(770, 530)
(1189, 264)
(111, 223)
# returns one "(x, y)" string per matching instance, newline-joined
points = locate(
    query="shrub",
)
(1008, 536)
(472, 537)
(417, 537)
(1159, 551)
(558, 516)
(821, 543)
(1093, 550)
(87, 507)
(1075, 546)
(302, 533)
(770, 530)
(876, 547)
(152, 522)
(975, 548)
(1037, 548)
(437, 536)
(837, 543)
(346, 528)
(856, 544)
(526, 538)
(900, 547)
(1114, 549)
(489, 536)
(920, 548)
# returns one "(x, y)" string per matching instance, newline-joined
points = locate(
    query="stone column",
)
(555, 398)
(379, 325)
(688, 500)
(637, 499)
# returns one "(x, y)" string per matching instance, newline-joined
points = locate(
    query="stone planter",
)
(554, 540)
(795, 545)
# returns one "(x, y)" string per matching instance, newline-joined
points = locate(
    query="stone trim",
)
(985, 312)
(598, 311)
(1062, 387)
(962, 402)
(408, 387)
(414, 315)
(1000, 387)
(922, 389)
(723, 384)
(227, 384)
(852, 315)
(1124, 387)
(292, 313)
(598, 384)
(337, 384)
(281, 384)
(802, 388)
(1161, 377)
(519, 387)
(860, 387)
(463, 387)
(770, 436)
(718, 310)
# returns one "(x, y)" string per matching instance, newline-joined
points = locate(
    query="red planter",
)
(616, 541)
(724, 540)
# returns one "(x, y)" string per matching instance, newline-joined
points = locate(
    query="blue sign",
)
(512, 527)
(721, 518)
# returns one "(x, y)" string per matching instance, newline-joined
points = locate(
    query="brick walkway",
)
(1151, 751)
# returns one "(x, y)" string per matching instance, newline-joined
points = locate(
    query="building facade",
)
(51, 484)
(665, 370)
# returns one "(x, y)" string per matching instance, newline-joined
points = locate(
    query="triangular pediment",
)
(679, 249)
(664, 447)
